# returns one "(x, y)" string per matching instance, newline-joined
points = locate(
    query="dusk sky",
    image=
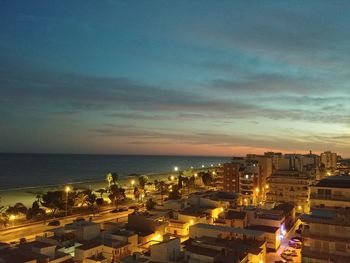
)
(174, 77)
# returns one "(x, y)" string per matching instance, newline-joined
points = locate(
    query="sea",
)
(32, 170)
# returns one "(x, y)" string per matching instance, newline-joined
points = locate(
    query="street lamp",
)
(176, 168)
(67, 189)
(132, 182)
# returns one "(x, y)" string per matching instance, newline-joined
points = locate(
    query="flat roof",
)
(235, 230)
(338, 181)
(328, 216)
(232, 214)
(269, 229)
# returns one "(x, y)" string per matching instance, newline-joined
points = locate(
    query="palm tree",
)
(101, 191)
(81, 199)
(143, 179)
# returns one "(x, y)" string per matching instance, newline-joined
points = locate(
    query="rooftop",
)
(229, 229)
(342, 181)
(232, 214)
(268, 229)
(328, 216)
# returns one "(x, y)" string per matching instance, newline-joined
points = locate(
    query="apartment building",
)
(331, 192)
(228, 175)
(329, 160)
(290, 187)
(326, 236)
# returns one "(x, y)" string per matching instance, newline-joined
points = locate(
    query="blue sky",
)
(174, 77)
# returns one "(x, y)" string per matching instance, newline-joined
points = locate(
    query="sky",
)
(174, 77)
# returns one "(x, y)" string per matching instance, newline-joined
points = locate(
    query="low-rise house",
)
(200, 229)
(102, 250)
(178, 228)
(168, 250)
(210, 249)
(233, 218)
(272, 235)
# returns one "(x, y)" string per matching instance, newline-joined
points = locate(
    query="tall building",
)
(326, 236)
(290, 187)
(249, 183)
(331, 192)
(326, 230)
(329, 160)
(229, 175)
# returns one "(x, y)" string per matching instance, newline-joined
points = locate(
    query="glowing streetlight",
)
(213, 172)
(221, 209)
(257, 190)
(203, 166)
(132, 182)
(299, 207)
(191, 222)
(267, 186)
(246, 176)
(211, 165)
(176, 168)
(172, 178)
(67, 189)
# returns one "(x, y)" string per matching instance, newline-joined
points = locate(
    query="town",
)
(273, 207)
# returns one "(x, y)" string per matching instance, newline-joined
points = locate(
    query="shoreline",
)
(27, 195)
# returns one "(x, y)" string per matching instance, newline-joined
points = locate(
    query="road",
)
(30, 231)
(274, 256)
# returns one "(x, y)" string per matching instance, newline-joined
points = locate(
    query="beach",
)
(28, 195)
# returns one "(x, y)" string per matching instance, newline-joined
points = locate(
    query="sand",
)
(28, 195)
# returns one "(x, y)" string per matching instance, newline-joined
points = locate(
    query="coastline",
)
(27, 195)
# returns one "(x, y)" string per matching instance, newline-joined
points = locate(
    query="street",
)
(275, 256)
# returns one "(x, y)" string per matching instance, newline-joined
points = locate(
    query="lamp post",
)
(67, 189)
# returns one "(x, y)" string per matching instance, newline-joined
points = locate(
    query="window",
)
(341, 247)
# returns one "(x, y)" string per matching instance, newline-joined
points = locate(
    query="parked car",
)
(296, 245)
(117, 210)
(287, 256)
(54, 223)
(79, 219)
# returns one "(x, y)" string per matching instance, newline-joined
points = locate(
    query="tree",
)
(175, 194)
(117, 194)
(143, 179)
(101, 192)
(206, 178)
(81, 199)
(136, 193)
(162, 189)
(17, 209)
(53, 200)
(150, 204)
(99, 202)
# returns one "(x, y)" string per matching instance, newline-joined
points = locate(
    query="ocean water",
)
(28, 170)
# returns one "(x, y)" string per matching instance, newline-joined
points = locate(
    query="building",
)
(233, 218)
(168, 250)
(331, 192)
(329, 160)
(228, 175)
(212, 249)
(249, 182)
(290, 187)
(326, 236)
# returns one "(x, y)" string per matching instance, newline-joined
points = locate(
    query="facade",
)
(229, 174)
(326, 236)
(212, 249)
(331, 192)
(290, 187)
(329, 160)
(166, 251)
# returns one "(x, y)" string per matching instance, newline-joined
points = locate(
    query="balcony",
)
(330, 197)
